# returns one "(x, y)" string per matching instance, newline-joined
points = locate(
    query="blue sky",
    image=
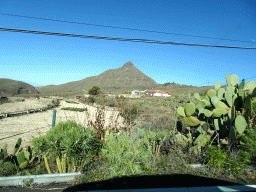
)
(44, 60)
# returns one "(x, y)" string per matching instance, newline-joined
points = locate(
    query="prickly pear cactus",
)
(21, 157)
(229, 109)
(13, 162)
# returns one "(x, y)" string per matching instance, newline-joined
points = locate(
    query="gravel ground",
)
(35, 124)
(21, 106)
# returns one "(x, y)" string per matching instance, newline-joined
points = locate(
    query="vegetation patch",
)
(74, 109)
(72, 102)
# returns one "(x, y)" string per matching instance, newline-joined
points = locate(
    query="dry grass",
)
(171, 159)
(175, 161)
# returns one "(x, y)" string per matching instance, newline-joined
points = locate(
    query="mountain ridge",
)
(125, 78)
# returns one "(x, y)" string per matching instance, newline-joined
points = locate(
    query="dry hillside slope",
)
(112, 81)
(9, 86)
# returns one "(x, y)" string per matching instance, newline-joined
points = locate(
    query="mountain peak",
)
(129, 64)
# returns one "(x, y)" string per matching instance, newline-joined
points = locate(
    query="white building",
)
(158, 93)
(136, 92)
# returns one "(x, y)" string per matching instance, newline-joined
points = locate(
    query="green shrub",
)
(76, 141)
(248, 145)
(132, 156)
(94, 91)
(217, 157)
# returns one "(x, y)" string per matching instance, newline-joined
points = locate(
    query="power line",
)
(121, 27)
(118, 39)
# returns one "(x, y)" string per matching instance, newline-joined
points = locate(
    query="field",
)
(153, 114)
(36, 124)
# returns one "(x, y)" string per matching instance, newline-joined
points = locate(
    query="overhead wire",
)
(97, 25)
(118, 39)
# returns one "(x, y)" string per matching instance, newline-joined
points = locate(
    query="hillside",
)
(9, 87)
(125, 78)
(113, 81)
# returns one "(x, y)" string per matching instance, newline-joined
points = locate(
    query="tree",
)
(94, 91)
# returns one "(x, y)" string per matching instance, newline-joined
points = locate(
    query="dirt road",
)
(36, 124)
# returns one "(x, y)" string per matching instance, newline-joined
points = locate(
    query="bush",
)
(217, 157)
(94, 91)
(248, 148)
(76, 141)
(132, 155)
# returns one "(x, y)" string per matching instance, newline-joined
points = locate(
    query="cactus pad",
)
(234, 80)
(217, 85)
(23, 165)
(202, 139)
(197, 96)
(219, 111)
(207, 103)
(231, 89)
(191, 121)
(251, 85)
(21, 157)
(214, 101)
(228, 79)
(228, 97)
(189, 109)
(205, 126)
(222, 105)
(211, 93)
(221, 92)
(200, 104)
(240, 124)
(27, 155)
(181, 111)
(208, 113)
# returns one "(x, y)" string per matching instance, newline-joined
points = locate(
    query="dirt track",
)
(36, 124)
